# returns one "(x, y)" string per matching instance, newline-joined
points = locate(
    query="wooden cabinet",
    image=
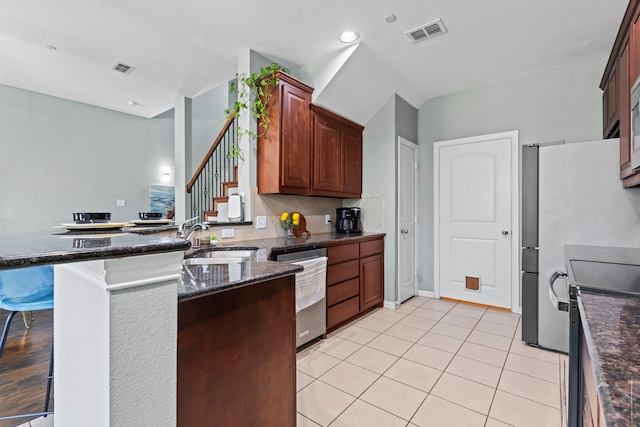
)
(624, 111)
(621, 72)
(307, 150)
(284, 150)
(610, 103)
(337, 155)
(371, 281)
(236, 357)
(355, 279)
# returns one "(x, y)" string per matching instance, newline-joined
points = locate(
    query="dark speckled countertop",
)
(200, 280)
(612, 330)
(29, 249)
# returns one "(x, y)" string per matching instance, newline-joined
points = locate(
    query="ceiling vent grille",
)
(426, 31)
(123, 68)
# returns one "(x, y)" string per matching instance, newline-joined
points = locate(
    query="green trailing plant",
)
(253, 94)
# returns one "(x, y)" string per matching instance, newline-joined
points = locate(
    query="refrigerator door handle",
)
(557, 303)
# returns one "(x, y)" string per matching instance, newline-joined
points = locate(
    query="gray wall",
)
(380, 149)
(207, 119)
(563, 103)
(378, 176)
(59, 157)
(406, 120)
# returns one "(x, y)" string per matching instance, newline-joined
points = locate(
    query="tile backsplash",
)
(373, 211)
(314, 210)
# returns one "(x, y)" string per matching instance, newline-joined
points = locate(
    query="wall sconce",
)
(165, 174)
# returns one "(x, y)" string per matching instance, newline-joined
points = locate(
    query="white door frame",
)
(416, 148)
(515, 210)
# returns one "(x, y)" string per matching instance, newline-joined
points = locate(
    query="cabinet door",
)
(351, 162)
(371, 281)
(296, 147)
(327, 166)
(610, 103)
(634, 45)
(624, 113)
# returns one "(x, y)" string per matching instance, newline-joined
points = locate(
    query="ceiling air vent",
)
(426, 31)
(123, 68)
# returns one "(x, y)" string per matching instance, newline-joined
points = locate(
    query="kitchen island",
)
(116, 322)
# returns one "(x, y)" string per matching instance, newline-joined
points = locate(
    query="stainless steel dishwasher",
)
(311, 322)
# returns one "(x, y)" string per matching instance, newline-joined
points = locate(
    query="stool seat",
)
(26, 289)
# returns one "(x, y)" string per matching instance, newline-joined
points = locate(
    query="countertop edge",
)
(606, 399)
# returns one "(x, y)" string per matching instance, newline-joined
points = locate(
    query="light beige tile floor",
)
(430, 363)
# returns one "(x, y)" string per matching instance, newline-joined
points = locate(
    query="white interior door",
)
(407, 171)
(475, 186)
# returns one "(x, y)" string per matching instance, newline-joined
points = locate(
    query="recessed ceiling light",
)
(390, 18)
(349, 37)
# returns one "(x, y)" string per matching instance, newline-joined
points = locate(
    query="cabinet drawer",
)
(342, 291)
(340, 272)
(371, 248)
(342, 312)
(343, 253)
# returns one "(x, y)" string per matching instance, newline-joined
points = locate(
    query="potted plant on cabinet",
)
(253, 95)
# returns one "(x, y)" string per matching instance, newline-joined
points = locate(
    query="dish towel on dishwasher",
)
(311, 284)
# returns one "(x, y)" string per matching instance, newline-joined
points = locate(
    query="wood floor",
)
(24, 366)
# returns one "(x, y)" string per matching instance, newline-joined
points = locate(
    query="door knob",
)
(505, 232)
(404, 231)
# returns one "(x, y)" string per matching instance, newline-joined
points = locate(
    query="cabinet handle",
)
(404, 231)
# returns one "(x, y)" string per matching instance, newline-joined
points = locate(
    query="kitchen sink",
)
(219, 257)
(215, 253)
(214, 260)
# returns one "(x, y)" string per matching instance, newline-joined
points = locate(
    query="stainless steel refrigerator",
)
(571, 194)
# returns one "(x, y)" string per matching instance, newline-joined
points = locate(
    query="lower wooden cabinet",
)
(371, 281)
(355, 279)
(237, 357)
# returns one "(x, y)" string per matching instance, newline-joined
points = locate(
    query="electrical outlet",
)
(327, 219)
(261, 222)
(227, 233)
(120, 202)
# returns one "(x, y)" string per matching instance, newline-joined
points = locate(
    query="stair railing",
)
(216, 168)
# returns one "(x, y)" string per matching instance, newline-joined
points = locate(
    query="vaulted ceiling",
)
(186, 47)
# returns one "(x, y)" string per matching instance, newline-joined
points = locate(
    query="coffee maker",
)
(348, 221)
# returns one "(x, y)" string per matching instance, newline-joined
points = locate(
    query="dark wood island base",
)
(237, 357)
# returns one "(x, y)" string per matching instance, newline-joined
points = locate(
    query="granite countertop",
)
(281, 245)
(30, 249)
(207, 279)
(611, 324)
(200, 280)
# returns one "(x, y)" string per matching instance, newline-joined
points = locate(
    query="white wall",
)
(58, 157)
(563, 103)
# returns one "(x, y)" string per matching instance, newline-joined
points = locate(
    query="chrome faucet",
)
(195, 227)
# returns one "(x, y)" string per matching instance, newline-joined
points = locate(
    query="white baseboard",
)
(426, 294)
(391, 304)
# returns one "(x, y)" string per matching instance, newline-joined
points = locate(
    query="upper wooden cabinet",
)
(621, 72)
(308, 150)
(337, 155)
(284, 150)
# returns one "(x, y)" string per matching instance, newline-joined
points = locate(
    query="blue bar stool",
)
(25, 290)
